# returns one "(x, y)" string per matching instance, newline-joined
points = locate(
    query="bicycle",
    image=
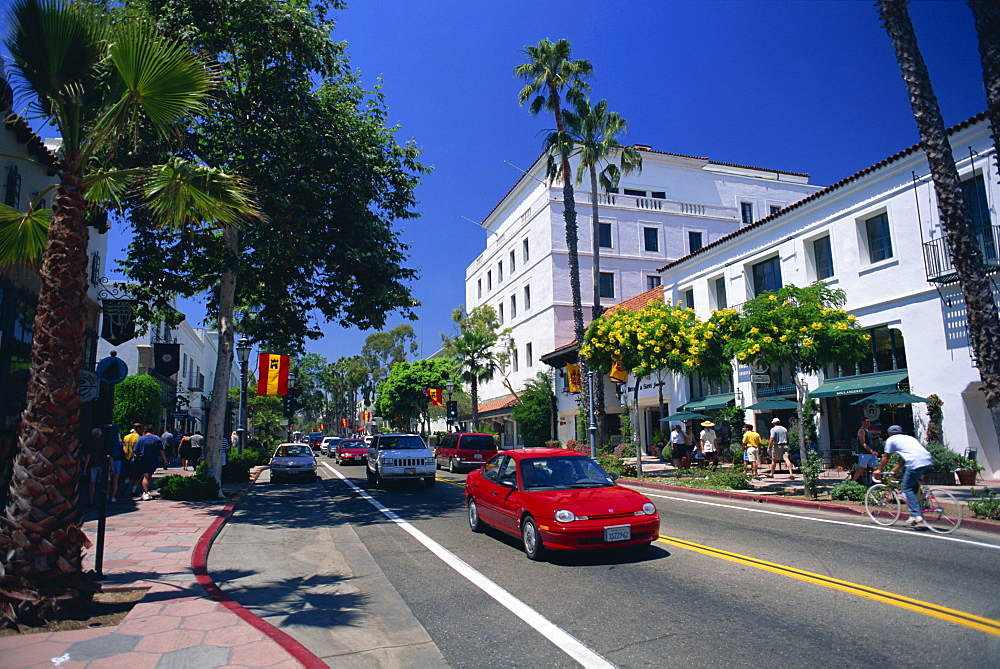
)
(884, 502)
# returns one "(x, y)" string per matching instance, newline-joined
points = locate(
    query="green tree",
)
(93, 81)
(401, 398)
(548, 74)
(264, 412)
(534, 411)
(802, 328)
(956, 219)
(473, 349)
(384, 349)
(137, 400)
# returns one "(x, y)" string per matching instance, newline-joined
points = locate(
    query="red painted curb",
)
(802, 503)
(199, 564)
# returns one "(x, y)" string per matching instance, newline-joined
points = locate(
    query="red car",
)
(351, 450)
(555, 499)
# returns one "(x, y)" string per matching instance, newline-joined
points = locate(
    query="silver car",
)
(293, 461)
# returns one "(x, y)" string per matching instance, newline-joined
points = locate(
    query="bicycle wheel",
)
(882, 504)
(942, 512)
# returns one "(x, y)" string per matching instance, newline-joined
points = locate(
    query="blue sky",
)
(804, 86)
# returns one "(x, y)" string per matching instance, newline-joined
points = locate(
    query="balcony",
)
(938, 261)
(663, 205)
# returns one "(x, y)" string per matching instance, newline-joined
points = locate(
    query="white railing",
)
(665, 206)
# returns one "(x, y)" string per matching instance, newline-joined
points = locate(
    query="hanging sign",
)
(166, 359)
(89, 386)
(112, 370)
(118, 321)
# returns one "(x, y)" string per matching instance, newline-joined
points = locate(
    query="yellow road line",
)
(949, 615)
(454, 483)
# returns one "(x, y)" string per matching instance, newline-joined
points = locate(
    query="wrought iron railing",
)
(938, 260)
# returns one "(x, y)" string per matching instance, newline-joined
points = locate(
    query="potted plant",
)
(968, 469)
(944, 463)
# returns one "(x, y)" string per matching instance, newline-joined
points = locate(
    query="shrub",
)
(238, 465)
(579, 446)
(612, 464)
(943, 458)
(848, 490)
(553, 444)
(810, 473)
(733, 479)
(986, 505)
(188, 488)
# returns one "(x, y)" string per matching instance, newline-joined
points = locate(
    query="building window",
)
(877, 234)
(694, 241)
(653, 281)
(500, 313)
(511, 263)
(607, 284)
(527, 355)
(513, 306)
(659, 194)
(774, 209)
(489, 281)
(12, 196)
(500, 272)
(479, 288)
(688, 297)
(886, 353)
(524, 250)
(823, 255)
(746, 212)
(720, 293)
(632, 191)
(604, 235)
(513, 358)
(527, 298)
(651, 239)
(975, 196)
(767, 276)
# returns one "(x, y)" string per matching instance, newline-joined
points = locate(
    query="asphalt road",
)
(728, 584)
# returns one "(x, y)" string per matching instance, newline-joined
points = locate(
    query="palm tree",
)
(956, 220)
(987, 17)
(547, 74)
(91, 80)
(473, 350)
(593, 133)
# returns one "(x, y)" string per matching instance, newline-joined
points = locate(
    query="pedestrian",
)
(117, 460)
(197, 448)
(151, 452)
(778, 443)
(707, 442)
(185, 452)
(93, 461)
(867, 449)
(678, 447)
(915, 459)
(751, 449)
(689, 445)
(169, 445)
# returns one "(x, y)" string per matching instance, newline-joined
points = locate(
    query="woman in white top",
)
(707, 442)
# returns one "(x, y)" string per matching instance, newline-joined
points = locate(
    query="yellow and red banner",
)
(618, 374)
(575, 381)
(343, 422)
(436, 395)
(273, 371)
(366, 416)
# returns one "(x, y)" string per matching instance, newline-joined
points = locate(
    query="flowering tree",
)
(804, 329)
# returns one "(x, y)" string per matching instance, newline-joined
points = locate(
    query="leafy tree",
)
(137, 400)
(401, 397)
(93, 81)
(384, 349)
(953, 209)
(473, 349)
(804, 329)
(534, 411)
(549, 73)
(264, 412)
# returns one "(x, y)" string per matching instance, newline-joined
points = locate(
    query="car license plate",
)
(409, 471)
(478, 456)
(618, 533)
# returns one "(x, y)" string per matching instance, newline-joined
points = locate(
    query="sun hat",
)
(707, 423)
(895, 429)
(775, 420)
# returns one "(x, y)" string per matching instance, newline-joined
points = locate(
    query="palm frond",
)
(181, 194)
(23, 235)
(109, 188)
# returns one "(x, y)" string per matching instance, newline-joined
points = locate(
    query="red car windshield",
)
(562, 473)
(352, 444)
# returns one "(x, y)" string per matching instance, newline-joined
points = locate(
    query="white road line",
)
(562, 639)
(910, 532)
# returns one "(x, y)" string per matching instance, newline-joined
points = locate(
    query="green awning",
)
(709, 403)
(860, 385)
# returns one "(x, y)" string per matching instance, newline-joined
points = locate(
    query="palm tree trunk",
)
(597, 310)
(987, 16)
(967, 257)
(474, 384)
(41, 541)
(224, 361)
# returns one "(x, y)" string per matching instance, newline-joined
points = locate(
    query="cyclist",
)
(915, 459)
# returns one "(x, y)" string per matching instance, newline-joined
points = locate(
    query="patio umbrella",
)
(684, 415)
(773, 404)
(892, 397)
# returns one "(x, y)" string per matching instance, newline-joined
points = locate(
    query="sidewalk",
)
(161, 544)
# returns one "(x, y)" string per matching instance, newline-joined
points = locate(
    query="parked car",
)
(328, 445)
(293, 461)
(315, 439)
(464, 450)
(554, 499)
(399, 457)
(351, 450)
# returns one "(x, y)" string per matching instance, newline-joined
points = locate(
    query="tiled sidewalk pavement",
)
(176, 624)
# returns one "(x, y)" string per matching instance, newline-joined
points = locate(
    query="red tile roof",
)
(637, 302)
(495, 405)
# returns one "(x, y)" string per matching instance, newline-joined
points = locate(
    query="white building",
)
(676, 205)
(876, 235)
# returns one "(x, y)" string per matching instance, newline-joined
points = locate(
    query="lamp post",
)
(243, 355)
(450, 387)
(288, 401)
(592, 428)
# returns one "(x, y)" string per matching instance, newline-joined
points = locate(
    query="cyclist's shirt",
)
(913, 454)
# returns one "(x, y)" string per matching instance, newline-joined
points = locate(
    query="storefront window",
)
(702, 387)
(886, 353)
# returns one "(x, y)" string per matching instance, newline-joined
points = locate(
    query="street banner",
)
(118, 321)
(166, 359)
(366, 416)
(619, 374)
(343, 422)
(273, 371)
(575, 382)
(436, 395)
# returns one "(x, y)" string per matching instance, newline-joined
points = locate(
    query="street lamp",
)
(450, 387)
(243, 355)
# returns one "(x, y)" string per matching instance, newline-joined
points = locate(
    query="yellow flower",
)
(817, 326)
(754, 330)
(656, 349)
(852, 317)
(675, 352)
(783, 338)
(807, 342)
(741, 355)
(773, 298)
(803, 329)
(767, 340)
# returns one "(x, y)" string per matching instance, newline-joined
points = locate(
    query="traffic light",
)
(451, 409)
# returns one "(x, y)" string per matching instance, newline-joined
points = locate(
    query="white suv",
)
(398, 457)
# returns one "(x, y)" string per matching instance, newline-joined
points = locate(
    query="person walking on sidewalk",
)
(707, 442)
(915, 458)
(751, 448)
(867, 452)
(778, 443)
(150, 450)
(678, 445)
